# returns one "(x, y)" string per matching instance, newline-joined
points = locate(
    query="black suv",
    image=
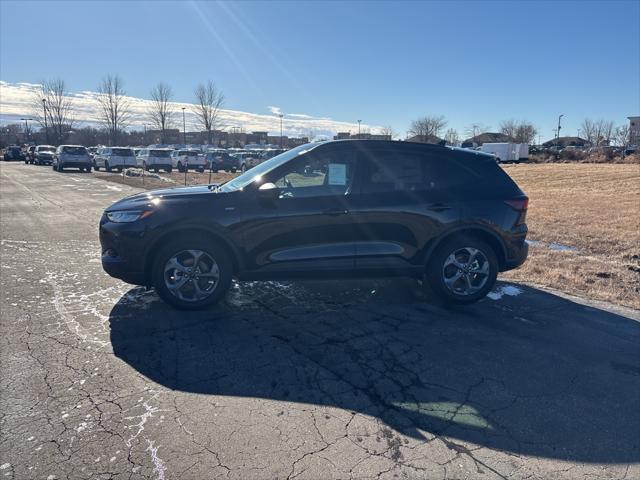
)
(333, 209)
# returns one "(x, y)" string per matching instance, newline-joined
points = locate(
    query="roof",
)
(490, 137)
(565, 142)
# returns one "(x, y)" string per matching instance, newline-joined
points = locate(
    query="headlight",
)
(128, 216)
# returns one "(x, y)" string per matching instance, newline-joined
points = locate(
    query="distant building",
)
(634, 130)
(425, 139)
(564, 142)
(360, 136)
(487, 137)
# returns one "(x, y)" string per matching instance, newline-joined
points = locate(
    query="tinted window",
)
(74, 150)
(122, 152)
(189, 153)
(160, 153)
(414, 171)
(46, 149)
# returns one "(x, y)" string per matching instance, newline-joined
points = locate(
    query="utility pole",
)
(184, 129)
(559, 127)
(359, 122)
(46, 128)
(26, 129)
(280, 115)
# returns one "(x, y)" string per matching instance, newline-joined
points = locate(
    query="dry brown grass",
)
(594, 208)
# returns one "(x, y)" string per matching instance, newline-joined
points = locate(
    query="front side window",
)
(316, 175)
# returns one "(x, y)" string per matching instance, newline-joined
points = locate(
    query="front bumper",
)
(123, 251)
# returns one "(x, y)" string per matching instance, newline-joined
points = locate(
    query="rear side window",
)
(411, 171)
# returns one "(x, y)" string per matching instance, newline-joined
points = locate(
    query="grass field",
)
(595, 209)
(590, 214)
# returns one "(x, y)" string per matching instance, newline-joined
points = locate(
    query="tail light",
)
(520, 205)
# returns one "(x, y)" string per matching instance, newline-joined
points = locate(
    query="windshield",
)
(160, 153)
(250, 175)
(122, 152)
(74, 150)
(46, 149)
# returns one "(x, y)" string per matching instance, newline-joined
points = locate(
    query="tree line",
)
(595, 132)
(55, 112)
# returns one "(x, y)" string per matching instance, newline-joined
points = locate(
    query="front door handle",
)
(335, 211)
(438, 207)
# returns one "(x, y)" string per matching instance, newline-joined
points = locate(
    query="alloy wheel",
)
(191, 275)
(466, 271)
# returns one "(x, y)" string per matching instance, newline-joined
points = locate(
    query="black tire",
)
(233, 170)
(213, 249)
(435, 276)
(179, 166)
(88, 169)
(201, 170)
(107, 167)
(60, 168)
(53, 167)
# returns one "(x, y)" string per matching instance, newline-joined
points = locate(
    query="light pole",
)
(281, 115)
(359, 122)
(184, 129)
(46, 128)
(559, 127)
(26, 128)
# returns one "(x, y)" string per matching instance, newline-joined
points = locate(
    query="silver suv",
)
(71, 156)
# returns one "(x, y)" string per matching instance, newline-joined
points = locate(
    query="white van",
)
(111, 158)
(185, 159)
(155, 159)
(507, 152)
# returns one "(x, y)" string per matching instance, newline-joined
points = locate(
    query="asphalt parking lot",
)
(332, 379)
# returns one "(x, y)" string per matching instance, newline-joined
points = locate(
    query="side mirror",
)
(268, 192)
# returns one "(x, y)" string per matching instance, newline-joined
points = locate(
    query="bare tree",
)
(520, 131)
(209, 102)
(428, 126)
(53, 110)
(115, 107)
(160, 111)
(476, 129)
(388, 131)
(451, 136)
(622, 135)
(605, 131)
(588, 128)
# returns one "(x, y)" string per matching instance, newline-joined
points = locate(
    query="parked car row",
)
(149, 158)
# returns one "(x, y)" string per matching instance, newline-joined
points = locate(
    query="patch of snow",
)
(501, 291)
(562, 248)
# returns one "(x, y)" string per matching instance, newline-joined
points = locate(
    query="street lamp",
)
(46, 128)
(184, 129)
(359, 122)
(281, 115)
(559, 127)
(26, 127)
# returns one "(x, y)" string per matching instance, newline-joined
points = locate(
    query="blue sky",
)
(384, 63)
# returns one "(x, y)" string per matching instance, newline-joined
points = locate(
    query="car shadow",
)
(527, 372)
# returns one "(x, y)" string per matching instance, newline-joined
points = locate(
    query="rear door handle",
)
(438, 207)
(335, 211)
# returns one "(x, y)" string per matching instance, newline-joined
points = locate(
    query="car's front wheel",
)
(192, 274)
(462, 270)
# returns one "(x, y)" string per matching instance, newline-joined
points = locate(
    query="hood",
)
(155, 197)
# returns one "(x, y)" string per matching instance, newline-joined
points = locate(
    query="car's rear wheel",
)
(462, 270)
(192, 274)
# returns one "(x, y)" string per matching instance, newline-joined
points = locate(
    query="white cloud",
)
(15, 102)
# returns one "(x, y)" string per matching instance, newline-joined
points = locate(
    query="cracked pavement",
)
(305, 380)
